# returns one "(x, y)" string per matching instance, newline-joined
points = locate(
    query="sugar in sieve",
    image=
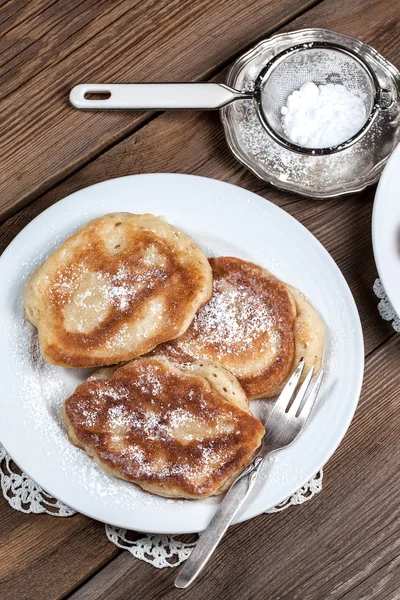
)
(322, 63)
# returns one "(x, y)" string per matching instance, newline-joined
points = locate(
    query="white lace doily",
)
(25, 495)
(386, 310)
(161, 551)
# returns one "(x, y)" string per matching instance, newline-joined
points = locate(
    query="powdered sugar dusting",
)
(232, 320)
(126, 285)
(78, 287)
(148, 381)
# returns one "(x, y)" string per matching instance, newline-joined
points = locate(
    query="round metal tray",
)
(345, 172)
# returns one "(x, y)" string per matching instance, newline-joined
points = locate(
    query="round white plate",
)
(386, 229)
(224, 220)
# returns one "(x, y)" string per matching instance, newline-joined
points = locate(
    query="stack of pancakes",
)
(190, 341)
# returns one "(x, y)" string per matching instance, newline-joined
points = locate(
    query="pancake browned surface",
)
(113, 291)
(247, 326)
(180, 432)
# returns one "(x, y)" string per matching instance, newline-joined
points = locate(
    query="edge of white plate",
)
(378, 214)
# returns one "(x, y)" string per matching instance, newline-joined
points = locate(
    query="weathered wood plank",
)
(44, 557)
(44, 139)
(14, 12)
(42, 40)
(343, 543)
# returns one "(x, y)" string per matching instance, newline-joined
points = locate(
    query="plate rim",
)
(257, 198)
(380, 200)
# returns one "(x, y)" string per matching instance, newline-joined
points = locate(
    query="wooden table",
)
(344, 544)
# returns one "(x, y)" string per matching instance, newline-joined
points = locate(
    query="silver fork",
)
(282, 427)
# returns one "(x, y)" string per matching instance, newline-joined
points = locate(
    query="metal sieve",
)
(320, 62)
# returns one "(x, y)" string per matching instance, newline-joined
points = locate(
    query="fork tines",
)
(305, 398)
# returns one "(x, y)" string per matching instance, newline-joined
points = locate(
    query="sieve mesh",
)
(320, 65)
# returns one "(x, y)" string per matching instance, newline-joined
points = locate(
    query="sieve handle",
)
(156, 96)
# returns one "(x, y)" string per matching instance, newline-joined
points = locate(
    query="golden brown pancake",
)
(247, 326)
(113, 291)
(308, 336)
(179, 432)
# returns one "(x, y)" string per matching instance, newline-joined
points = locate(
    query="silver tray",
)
(348, 171)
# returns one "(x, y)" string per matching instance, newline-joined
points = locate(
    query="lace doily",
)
(161, 551)
(386, 310)
(25, 495)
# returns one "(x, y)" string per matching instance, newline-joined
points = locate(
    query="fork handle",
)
(220, 522)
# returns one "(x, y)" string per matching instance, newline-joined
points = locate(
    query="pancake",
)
(256, 326)
(179, 432)
(219, 379)
(308, 335)
(247, 326)
(113, 291)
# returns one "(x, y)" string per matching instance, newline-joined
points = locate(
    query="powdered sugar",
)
(126, 285)
(148, 381)
(314, 176)
(180, 417)
(233, 319)
(322, 116)
(96, 291)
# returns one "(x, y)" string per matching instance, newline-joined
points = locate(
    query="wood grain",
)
(344, 543)
(43, 40)
(43, 557)
(44, 138)
(14, 12)
(46, 37)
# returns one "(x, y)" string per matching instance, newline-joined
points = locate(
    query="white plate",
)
(224, 220)
(386, 229)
